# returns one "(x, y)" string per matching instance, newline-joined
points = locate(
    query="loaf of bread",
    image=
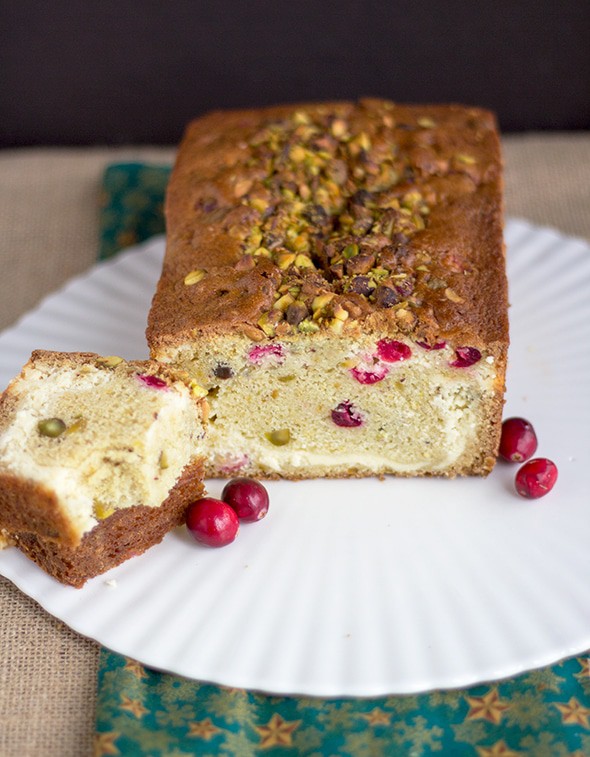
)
(335, 279)
(99, 459)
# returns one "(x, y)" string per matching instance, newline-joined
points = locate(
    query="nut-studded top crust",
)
(288, 220)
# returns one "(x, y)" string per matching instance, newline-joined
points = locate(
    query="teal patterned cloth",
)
(544, 713)
(132, 205)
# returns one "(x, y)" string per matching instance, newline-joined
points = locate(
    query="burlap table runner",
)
(49, 203)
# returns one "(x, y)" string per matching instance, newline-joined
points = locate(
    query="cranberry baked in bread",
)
(99, 458)
(335, 279)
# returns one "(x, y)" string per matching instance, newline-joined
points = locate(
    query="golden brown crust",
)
(52, 359)
(31, 506)
(126, 533)
(450, 250)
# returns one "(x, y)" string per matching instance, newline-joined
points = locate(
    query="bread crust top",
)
(366, 216)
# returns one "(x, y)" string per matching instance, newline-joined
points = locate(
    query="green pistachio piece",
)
(193, 277)
(350, 251)
(426, 123)
(52, 427)
(308, 327)
(469, 160)
(279, 437)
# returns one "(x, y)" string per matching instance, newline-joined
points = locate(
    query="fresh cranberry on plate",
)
(212, 522)
(518, 441)
(248, 498)
(536, 478)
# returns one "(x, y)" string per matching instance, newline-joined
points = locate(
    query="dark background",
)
(107, 72)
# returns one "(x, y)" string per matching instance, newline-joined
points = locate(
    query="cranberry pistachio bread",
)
(98, 460)
(335, 280)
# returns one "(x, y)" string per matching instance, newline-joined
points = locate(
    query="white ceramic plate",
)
(358, 587)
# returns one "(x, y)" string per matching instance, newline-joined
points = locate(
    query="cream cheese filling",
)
(277, 460)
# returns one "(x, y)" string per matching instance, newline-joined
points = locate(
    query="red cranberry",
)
(152, 381)
(212, 522)
(466, 356)
(248, 498)
(436, 346)
(536, 478)
(365, 374)
(518, 441)
(346, 414)
(271, 352)
(392, 351)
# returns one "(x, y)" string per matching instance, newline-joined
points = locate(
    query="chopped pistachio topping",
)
(467, 159)
(304, 261)
(321, 301)
(193, 277)
(426, 123)
(266, 324)
(335, 325)
(308, 327)
(451, 295)
(110, 361)
(337, 201)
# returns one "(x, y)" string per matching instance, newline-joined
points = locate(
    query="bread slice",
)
(335, 278)
(99, 459)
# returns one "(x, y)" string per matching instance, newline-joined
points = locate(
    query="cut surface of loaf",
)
(335, 280)
(99, 458)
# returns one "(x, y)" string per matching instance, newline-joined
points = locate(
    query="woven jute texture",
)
(49, 210)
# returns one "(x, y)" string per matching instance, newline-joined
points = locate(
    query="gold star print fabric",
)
(144, 712)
